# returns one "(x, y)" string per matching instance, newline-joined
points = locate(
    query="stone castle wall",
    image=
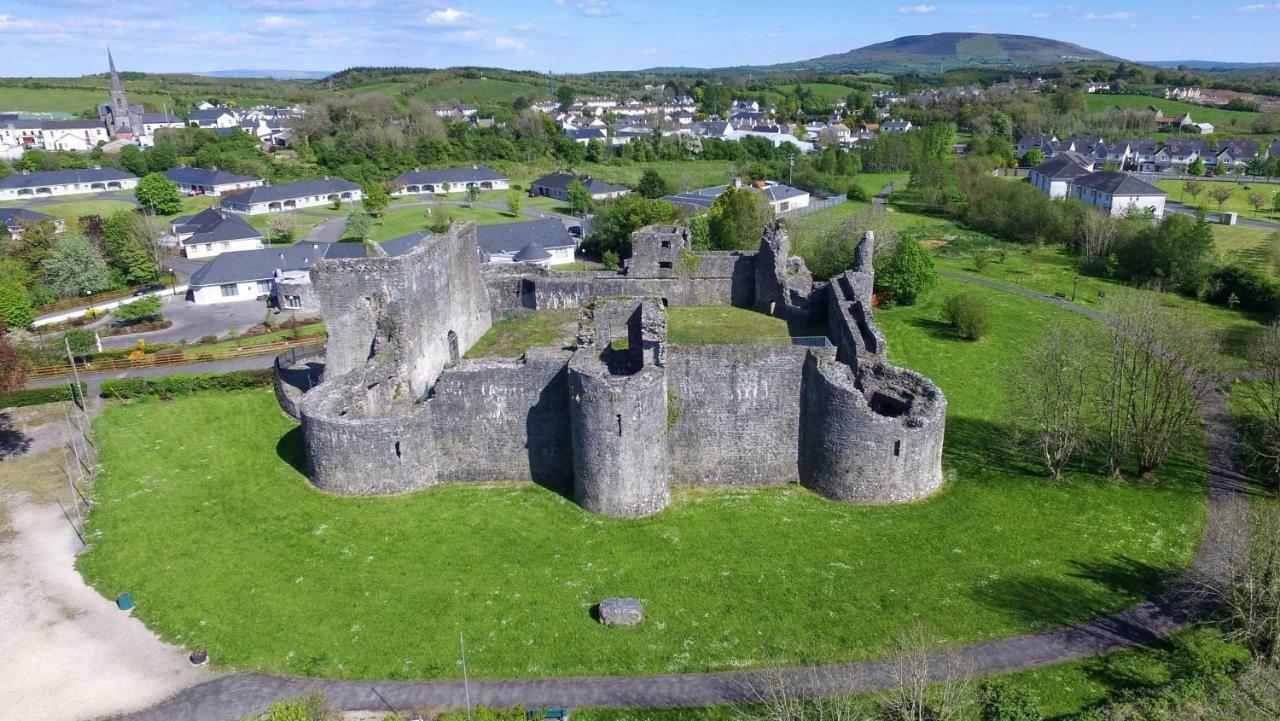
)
(617, 426)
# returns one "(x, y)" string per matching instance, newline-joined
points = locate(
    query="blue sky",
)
(69, 37)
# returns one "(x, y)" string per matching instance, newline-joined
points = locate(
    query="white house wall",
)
(210, 250)
(68, 189)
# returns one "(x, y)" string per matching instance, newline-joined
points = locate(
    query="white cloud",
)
(590, 8)
(485, 40)
(535, 29)
(917, 9)
(1040, 15)
(1260, 8)
(9, 22)
(505, 43)
(279, 21)
(1090, 17)
(450, 16)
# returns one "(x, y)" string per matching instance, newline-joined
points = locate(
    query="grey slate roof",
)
(249, 265)
(12, 217)
(289, 191)
(531, 252)
(512, 238)
(63, 177)
(71, 124)
(405, 243)
(201, 176)
(474, 174)
(212, 226)
(704, 197)
(207, 116)
(775, 193)
(1064, 165)
(1114, 183)
(160, 118)
(586, 134)
(561, 181)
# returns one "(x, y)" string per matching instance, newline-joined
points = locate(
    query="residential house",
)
(545, 242)
(897, 126)
(449, 180)
(74, 135)
(1118, 193)
(254, 274)
(712, 128)
(586, 135)
(64, 182)
(151, 122)
(781, 198)
(199, 181)
(212, 118)
(556, 185)
(13, 220)
(1142, 155)
(291, 196)
(1234, 154)
(1053, 177)
(778, 139)
(212, 232)
(1176, 155)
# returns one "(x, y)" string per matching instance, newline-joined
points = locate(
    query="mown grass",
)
(725, 324)
(1235, 121)
(72, 210)
(204, 514)
(410, 219)
(1237, 203)
(511, 337)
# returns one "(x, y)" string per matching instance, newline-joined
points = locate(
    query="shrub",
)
(186, 384)
(967, 314)
(38, 396)
(1003, 702)
(205, 339)
(1252, 289)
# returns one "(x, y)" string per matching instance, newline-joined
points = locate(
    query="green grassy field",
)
(873, 183)
(1238, 202)
(74, 209)
(511, 337)
(1235, 121)
(474, 91)
(408, 219)
(202, 513)
(71, 100)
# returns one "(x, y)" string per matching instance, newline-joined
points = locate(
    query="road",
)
(1225, 540)
(1185, 209)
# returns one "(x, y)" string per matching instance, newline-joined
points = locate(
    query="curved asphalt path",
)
(237, 694)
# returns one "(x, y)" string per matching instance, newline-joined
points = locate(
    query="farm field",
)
(1224, 121)
(199, 516)
(71, 100)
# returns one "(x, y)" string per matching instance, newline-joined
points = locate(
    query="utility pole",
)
(76, 394)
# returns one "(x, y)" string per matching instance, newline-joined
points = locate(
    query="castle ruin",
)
(618, 418)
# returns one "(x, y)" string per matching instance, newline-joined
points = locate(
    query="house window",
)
(229, 290)
(224, 245)
(264, 286)
(293, 301)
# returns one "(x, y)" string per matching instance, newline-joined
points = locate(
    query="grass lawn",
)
(1250, 246)
(203, 514)
(1235, 121)
(873, 183)
(74, 209)
(511, 337)
(306, 330)
(408, 219)
(725, 324)
(1238, 202)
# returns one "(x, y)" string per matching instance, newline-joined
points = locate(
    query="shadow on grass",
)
(977, 443)
(291, 450)
(937, 328)
(13, 441)
(1093, 589)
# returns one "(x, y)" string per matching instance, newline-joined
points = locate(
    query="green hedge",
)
(186, 383)
(37, 396)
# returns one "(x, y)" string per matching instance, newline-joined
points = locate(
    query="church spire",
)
(116, 87)
(119, 120)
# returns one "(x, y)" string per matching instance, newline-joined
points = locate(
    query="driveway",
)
(1184, 209)
(192, 322)
(329, 231)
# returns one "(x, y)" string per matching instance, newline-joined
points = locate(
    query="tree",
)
(616, 220)
(162, 157)
(15, 306)
(513, 204)
(1275, 202)
(158, 194)
(13, 368)
(81, 341)
(145, 308)
(1262, 400)
(1192, 188)
(1220, 194)
(564, 96)
(907, 274)
(132, 160)
(1257, 200)
(132, 245)
(1196, 168)
(75, 267)
(282, 226)
(1053, 396)
(652, 184)
(473, 193)
(35, 242)
(966, 313)
(580, 200)
(375, 198)
(1032, 158)
(359, 226)
(737, 219)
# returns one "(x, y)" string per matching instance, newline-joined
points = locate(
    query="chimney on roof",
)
(315, 246)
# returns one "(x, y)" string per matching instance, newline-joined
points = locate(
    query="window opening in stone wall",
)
(619, 424)
(397, 449)
(453, 347)
(897, 448)
(664, 264)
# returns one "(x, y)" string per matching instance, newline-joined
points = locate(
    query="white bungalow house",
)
(151, 122)
(199, 181)
(15, 219)
(544, 242)
(1053, 177)
(556, 185)
(212, 232)
(449, 180)
(1117, 193)
(290, 196)
(75, 135)
(781, 198)
(26, 184)
(212, 118)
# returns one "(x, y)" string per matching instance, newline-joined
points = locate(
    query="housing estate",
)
(449, 180)
(14, 219)
(556, 185)
(65, 182)
(1053, 177)
(213, 232)
(199, 181)
(290, 196)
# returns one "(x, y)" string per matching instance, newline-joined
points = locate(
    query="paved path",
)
(330, 231)
(234, 695)
(94, 380)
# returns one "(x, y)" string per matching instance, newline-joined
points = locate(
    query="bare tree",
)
(150, 233)
(1151, 379)
(1251, 592)
(1053, 388)
(282, 226)
(1097, 233)
(928, 685)
(788, 696)
(1262, 403)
